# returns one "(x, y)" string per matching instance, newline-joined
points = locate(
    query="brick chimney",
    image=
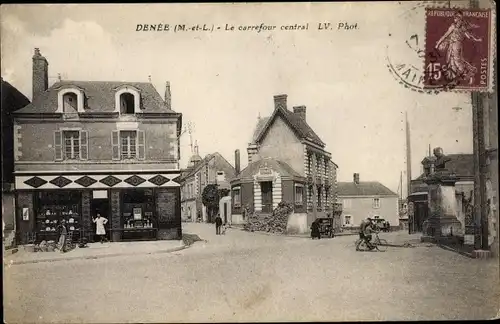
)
(280, 101)
(237, 161)
(300, 111)
(40, 74)
(168, 96)
(356, 178)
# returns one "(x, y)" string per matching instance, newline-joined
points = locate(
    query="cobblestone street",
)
(255, 277)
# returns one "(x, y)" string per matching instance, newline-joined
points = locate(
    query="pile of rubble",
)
(274, 223)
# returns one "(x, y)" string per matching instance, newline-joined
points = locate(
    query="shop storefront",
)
(135, 209)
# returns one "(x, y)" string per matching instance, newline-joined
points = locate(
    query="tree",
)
(210, 198)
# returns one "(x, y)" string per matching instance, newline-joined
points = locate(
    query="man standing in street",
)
(218, 224)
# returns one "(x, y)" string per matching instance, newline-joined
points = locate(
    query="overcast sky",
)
(222, 81)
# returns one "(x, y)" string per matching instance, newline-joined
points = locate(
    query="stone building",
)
(12, 100)
(287, 161)
(362, 199)
(212, 169)
(88, 147)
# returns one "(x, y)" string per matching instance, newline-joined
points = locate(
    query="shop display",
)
(52, 209)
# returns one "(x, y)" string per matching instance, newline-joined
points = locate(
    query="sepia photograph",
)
(250, 162)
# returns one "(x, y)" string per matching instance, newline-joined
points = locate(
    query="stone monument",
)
(442, 222)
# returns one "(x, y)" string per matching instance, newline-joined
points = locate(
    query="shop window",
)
(347, 220)
(54, 206)
(71, 145)
(128, 144)
(138, 209)
(299, 195)
(237, 197)
(376, 202)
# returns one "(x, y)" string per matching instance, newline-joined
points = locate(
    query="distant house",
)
(213, 169)
(367, 199)
(12, 100)
(287, 161)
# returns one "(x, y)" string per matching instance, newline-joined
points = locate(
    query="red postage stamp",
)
(458, 49)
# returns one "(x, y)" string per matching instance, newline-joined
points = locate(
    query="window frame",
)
(75, 151)
(236, 194)
(79, 100)
(296, 201)
(350, 220)
(133, 91)
(376, 203)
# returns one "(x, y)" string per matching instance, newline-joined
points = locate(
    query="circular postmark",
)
(406, 52)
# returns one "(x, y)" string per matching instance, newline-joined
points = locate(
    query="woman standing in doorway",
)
(100, 230)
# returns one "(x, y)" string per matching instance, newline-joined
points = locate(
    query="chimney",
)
(237, 161)
(168, 96)
(356, 178)
(40, 74)
(300, 111)
(280, 101)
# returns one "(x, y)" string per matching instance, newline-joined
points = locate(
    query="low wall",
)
(297, 223)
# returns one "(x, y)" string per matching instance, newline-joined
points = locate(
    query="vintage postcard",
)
(250, 162)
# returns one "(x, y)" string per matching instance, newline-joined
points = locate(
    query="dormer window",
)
(70, 101)
(127, 104)
(127, 100)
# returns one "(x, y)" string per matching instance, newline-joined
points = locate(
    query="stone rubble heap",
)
(273, 223)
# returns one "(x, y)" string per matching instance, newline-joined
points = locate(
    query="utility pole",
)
(480, 167)
(408, 157)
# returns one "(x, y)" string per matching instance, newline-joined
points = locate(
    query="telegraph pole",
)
(480, 167)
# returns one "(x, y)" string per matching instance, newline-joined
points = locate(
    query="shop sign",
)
(137, 213)
(26, 213)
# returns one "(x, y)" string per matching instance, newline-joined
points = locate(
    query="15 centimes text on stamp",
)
(459, 49)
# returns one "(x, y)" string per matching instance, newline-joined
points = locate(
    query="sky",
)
(222, 81)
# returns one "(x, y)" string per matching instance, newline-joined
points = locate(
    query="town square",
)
(215, 174)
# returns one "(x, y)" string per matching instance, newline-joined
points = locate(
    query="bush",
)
(274, 223)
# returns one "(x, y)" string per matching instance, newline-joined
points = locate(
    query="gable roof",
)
(279, 166)
(460, 164)
(99, 97)
(365, 188)
(261, 123)
(203, 162)
(12, 99)
(298, 125)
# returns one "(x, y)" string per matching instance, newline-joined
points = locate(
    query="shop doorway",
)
(101, 206)
(267, 196)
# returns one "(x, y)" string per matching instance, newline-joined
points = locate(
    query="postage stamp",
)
(458, 49)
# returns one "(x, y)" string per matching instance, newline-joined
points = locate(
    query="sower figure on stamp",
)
(452, 43)
(100, 231)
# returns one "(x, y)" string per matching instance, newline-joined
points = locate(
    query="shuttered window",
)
(71, 145)
(128, 145)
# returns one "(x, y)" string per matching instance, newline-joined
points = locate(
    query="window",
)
(347, 203)
(237, 197)
(71, 145)
(128, 144)
(347, 220)
(376, 202)
(220, 176)
(127, 103)
(320, 193)
(299, 195)
(70, 103)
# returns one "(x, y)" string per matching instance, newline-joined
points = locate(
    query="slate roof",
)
(460, 164)
(99, 97)
(12, 99)
(365, 188)
(279, 166)
(299, 125)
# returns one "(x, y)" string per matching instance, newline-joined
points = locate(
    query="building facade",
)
(367, 199)
(85, 147)
(12, 100)
(213, 169)
(287, 161)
